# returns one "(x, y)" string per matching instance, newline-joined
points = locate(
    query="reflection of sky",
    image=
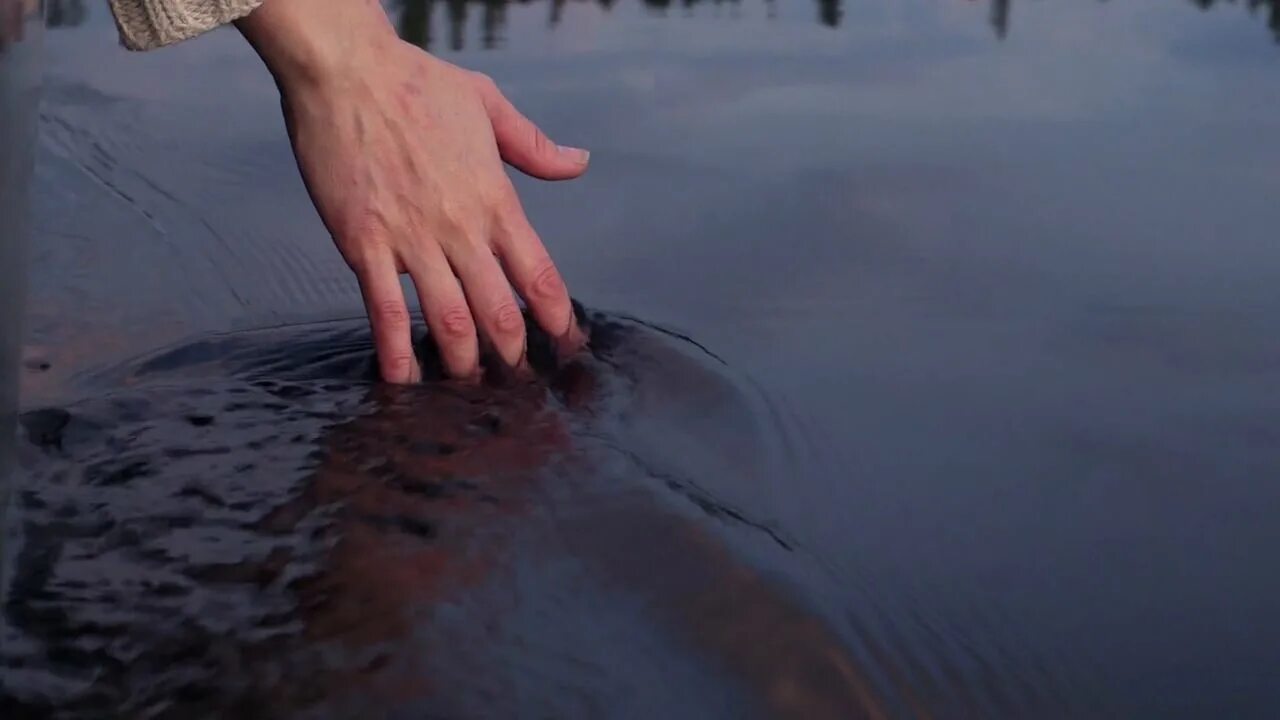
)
(460, 22)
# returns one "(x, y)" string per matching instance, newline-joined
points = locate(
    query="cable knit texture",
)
(148, 24)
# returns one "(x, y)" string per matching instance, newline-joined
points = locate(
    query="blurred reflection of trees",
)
(1000, 17)
(416, 18)
(1270, 7)
(1000, 13)
(64, 13)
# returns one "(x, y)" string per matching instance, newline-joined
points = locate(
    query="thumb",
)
(523, 145)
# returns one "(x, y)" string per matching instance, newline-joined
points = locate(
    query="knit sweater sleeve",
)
(149, 24)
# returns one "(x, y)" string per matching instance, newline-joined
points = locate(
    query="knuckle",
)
(541, 143)
(501, 197)
(462, 222)
(456, 324)
(366, 223)
(400, 364)
(507, 319)
(361, 235)
(392, 313)
(547, 283)
(484, 82)
(450, 215)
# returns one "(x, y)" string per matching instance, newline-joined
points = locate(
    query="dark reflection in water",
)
(1271, 8)
(416, 18)
(1000, 17)
(20, 81)
(64, 13)
(254, 529)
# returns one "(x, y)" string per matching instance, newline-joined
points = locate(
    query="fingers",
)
(388, 317)
(535, 277)
(444, 306)
(523, 145)
(493, 305)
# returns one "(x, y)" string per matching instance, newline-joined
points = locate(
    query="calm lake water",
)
(935, 373)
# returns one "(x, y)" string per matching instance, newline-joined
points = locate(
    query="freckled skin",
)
(403, 156)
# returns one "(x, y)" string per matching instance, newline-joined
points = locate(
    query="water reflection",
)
(19, 94)
(289, 540)
(1026, 377)
(1270, 7)
(1000, 17)
(416, 19)
(64, 13)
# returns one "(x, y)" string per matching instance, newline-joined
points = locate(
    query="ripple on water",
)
(248, 525)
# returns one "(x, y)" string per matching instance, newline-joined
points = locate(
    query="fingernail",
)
(577, 155)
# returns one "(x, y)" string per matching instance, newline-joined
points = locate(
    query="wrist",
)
(313, 41)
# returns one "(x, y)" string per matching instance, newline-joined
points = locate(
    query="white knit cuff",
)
(149, 24)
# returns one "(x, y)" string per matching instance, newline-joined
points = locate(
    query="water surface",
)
(20, 40)
(952, 391)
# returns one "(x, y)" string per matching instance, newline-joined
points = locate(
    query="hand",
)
(402, 155)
